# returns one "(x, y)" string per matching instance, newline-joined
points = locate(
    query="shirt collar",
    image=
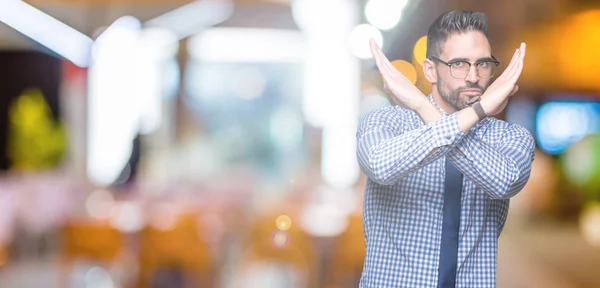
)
(430, 96)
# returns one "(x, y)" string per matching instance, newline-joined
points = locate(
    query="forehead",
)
(471, 45)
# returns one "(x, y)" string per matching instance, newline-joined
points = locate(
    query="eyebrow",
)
(467, 60)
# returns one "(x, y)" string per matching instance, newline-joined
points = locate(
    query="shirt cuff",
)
(447, 131)
(470, 144)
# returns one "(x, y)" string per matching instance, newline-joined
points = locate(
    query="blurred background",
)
(211, 143)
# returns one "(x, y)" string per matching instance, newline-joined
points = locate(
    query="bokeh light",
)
(250, 83)
(420, 50)
(407, 69)
(581, 164)
(164, 216)
(283, 222)
(588, 224)
(280, 239)
(128, 217)
(100, 204)
(324, 219)
(562, 123)
(358, 40)
(98, 277)
(384, 14)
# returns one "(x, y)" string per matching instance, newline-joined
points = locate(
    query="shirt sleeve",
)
(501, 170)
(389, 149)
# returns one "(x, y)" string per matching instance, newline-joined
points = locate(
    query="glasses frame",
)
(449, 64)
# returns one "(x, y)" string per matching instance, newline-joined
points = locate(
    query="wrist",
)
(488, 106)
(427, 112)
(467, 118)
(423, 105)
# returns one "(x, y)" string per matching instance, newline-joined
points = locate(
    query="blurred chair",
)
(95, 241)
(346, 262)
(178, 249)
(284, 259)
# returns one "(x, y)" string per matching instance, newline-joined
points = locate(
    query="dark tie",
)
(450, 225)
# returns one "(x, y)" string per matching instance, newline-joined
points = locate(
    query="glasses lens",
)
(486, 70)
(460, 70)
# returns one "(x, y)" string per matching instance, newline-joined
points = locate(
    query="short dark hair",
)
(453, 22)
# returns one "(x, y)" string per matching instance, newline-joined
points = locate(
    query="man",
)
(441, 171)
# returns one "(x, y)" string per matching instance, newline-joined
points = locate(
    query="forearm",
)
(502, 170)
(387, 157)
(467, 118)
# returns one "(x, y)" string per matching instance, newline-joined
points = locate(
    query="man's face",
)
(471, 46)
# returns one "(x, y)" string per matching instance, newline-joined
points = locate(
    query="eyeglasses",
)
(459, 69)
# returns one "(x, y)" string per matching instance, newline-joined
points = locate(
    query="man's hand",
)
(402, 92)
(495, 98)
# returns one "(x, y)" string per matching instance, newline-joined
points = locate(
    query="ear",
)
(429, 71)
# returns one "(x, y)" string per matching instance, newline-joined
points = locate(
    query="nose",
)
(473, 76)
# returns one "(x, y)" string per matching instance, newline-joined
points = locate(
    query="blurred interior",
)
(211, 143)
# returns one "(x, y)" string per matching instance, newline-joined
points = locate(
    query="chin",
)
(464, 103)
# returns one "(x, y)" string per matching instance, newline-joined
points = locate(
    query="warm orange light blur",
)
(588, 224)
(564, 52)
(578, 55)
(2, 256)
(283, 222)
(407, 69)
(420, 50)
(419, 55)
(280, 239)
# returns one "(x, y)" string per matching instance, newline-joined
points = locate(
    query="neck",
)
(440, 101)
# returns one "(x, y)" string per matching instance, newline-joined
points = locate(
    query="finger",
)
(373, 47)
(523, 51)
(513, 63)
(519, 67)
(519, 60)
(521, 64)
(517, 73)
(514, 57)
(377, 55)
(393, 71)
(386, 65)
(507, 71)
